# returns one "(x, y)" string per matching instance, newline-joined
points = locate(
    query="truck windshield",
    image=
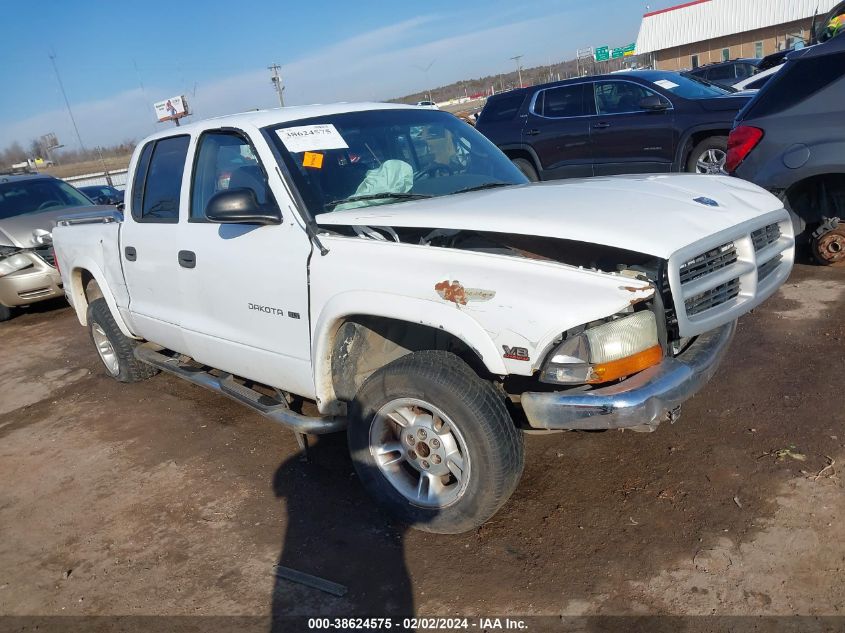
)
(33, 196)
(360, 159)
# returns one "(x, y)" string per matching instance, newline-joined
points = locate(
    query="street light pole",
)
(52, 57)
(516, 59)
(425, 69)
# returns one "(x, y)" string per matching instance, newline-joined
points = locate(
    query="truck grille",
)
(713, 286)
(769, 234)
(766, 269)
(712, 298)
(708, 262)
(47, 254)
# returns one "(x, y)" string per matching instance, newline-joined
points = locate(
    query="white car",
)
(428, 104)
(386, 270)
(757, 81)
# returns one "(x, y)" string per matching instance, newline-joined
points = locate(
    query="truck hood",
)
(650, 214)
(17, 230)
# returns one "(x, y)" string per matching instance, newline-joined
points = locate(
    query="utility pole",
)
(277, 83)
(516, 59)
(52, 57)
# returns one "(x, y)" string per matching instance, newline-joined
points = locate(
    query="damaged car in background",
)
(387, 270)
(29, 206)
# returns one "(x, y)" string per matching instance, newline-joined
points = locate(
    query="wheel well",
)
(364, 344)
(85, 289)
(521, 153)
(695, 138)
(817, 197)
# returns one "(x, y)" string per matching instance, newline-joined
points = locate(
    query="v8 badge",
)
(516, 353)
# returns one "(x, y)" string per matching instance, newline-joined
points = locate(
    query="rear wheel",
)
(708, 157)
(115, 349)
(434, 444)
(524, 165)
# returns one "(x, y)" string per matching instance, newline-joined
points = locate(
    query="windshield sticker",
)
(665, 83)
(306, 138)
(313, 160)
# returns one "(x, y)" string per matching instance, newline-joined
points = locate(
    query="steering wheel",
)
(48, 203)
(435, 169)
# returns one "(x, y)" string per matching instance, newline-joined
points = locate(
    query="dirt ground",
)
(162, 498)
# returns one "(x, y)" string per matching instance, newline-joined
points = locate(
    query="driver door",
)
(625, 138)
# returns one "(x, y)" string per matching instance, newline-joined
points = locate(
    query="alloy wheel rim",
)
(711, 161)
(421, 452)
(105, 349)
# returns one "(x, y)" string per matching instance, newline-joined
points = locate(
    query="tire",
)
(718, 145)
(428, 386)
(524, 165)
(112, 345)
(5, 313)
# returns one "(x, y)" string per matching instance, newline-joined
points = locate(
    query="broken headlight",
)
(606, 352)
(14, 263)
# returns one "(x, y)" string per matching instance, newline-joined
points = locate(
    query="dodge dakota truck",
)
(386, 270)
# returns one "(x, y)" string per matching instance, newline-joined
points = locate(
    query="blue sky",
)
(117, 57)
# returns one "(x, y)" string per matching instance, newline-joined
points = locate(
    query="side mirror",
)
(42, 237)
(653, 103)
(240, 206)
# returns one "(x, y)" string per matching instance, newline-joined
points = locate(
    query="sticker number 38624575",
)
(309, 138)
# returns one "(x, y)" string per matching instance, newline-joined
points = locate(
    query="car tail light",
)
(741, 141)
(56, 260)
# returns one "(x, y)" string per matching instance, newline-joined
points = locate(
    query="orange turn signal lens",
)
(613, 370)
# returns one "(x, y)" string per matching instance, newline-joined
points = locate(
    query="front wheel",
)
(708, 157)
(434, 443)
(527, 168)
(115, 349)
(5, 313)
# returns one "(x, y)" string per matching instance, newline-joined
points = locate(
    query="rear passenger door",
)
(625, 138)
(150, 241)
(557, 129)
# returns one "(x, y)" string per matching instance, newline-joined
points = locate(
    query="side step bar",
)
(226, 385)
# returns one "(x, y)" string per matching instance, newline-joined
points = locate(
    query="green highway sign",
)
(602, 53)
(623, 51)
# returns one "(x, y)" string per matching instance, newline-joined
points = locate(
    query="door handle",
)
(131, 253)
(187, 259)
(533, 132)
(601, 125)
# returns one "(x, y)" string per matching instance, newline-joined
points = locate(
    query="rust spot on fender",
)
(451, 291)
(455, 292)
(648, 293)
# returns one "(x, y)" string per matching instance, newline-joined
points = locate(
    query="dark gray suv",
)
(790, 139)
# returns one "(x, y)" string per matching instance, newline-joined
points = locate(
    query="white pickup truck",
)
(387, 270)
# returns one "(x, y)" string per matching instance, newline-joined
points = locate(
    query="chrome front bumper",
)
(643, 400)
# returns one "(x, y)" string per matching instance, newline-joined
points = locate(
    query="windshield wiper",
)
(386, 195)
(486, 185)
